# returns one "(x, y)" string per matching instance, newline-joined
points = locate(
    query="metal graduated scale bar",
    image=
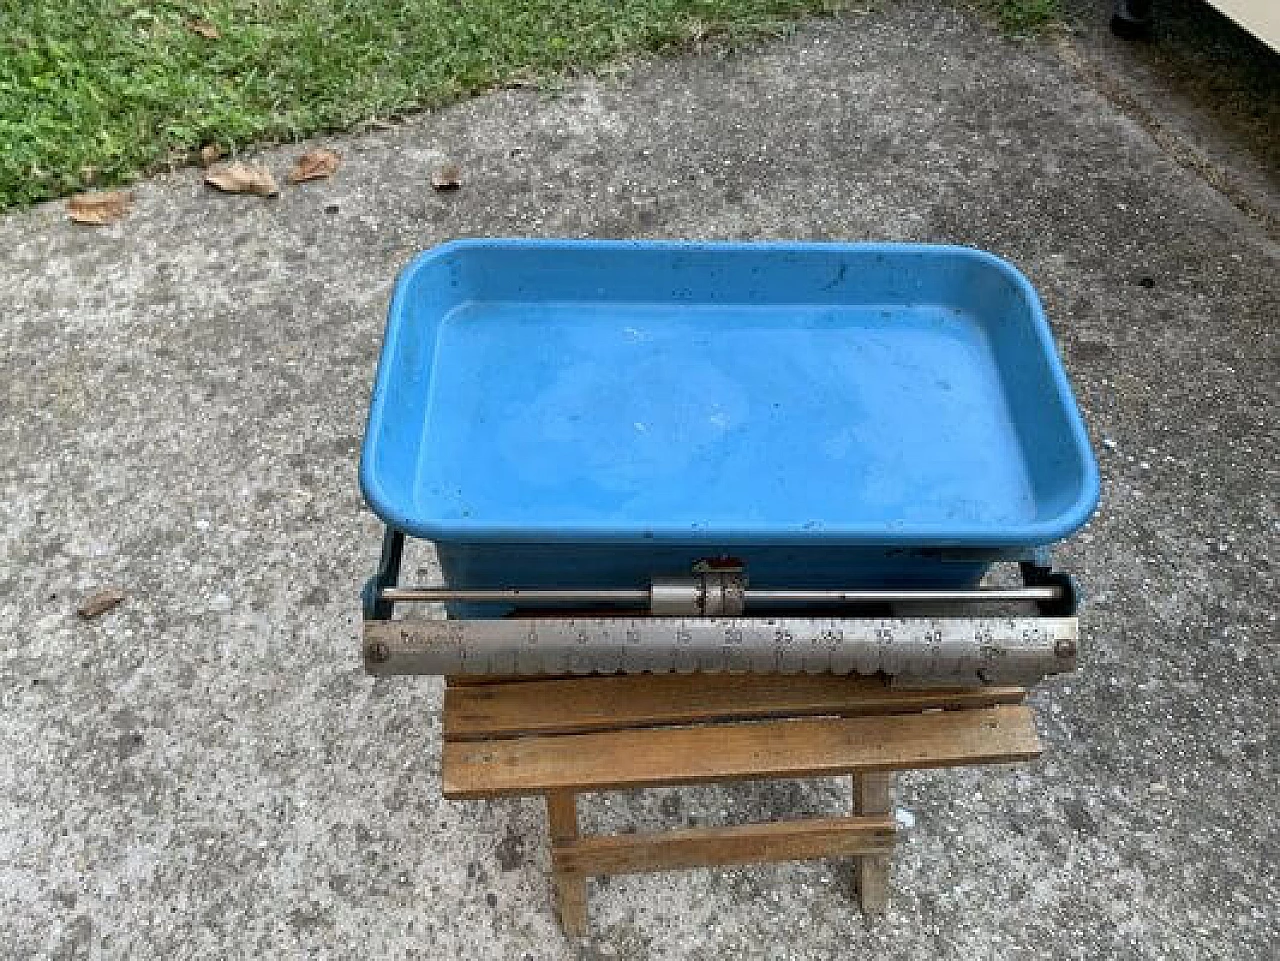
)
(976, 650)
(700, 623)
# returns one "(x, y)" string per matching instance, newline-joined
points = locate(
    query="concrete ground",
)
(206, 772)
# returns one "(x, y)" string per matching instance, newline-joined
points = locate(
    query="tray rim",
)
(1033, 533)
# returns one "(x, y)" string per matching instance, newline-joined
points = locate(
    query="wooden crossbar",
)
(738, 844)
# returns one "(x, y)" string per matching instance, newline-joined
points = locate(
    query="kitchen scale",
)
(788, 458)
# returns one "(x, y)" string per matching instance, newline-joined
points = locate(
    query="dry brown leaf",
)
(209, 153)
(522, 78)
(100, 208)
(242, 178)
(99, 602)
(204, 28)
(448, 177)
(313, 165)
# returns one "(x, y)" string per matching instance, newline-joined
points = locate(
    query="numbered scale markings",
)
(987, 649)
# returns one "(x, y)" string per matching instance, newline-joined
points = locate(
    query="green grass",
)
(94, 93)
(1024, 17)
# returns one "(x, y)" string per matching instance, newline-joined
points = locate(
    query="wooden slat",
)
(740, 844)
(688, 755)
(571, 886)
(615, 702)
(873, 794)
(479, 680)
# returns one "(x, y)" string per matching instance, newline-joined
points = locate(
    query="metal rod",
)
(516, 595)
(990, 595)
(753, 597)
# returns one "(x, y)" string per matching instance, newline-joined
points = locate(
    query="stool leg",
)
(873, 794)
(571, 887)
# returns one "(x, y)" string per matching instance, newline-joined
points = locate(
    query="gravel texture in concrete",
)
(205, 771)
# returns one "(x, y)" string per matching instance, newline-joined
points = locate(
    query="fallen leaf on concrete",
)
(209, 153)
(204, 28)
(99, 602)
(447, 177)
(99, 208)
(521, 78)
(313, 165)
(243, 178)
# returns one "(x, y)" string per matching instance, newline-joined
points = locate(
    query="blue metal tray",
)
(657, 402)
